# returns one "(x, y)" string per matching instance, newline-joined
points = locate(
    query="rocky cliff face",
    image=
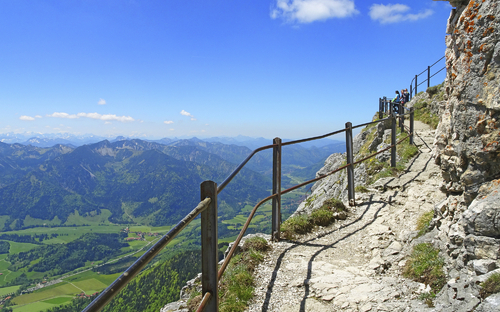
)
(467, 147)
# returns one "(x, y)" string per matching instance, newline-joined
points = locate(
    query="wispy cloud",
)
(184, 113)
(101, 102)
(168, 122)
(308, 11)
(26, 118)
(62, 115)
(106, 117)
(395, 13)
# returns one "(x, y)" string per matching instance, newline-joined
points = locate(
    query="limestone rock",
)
(466, 144)
(483, 215)
(490, 304)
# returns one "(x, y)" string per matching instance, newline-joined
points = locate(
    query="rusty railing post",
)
(401, 117)
(428, 76)
(276, 206)
(209, 250)
(393, 142)
(386, 104)
(416, 84)
(411, 125)
(380, 109)
(350, 168)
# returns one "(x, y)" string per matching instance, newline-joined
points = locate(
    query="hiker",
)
(396, 100)
(407, 96)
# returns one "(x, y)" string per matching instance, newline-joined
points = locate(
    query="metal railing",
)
(211, 275)
(428, 80)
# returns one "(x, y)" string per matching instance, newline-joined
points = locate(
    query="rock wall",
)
(466, 145)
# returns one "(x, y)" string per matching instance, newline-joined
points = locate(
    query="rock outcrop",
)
(467, 140)
(466, 148)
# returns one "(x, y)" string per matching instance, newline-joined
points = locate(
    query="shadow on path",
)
(369, 203)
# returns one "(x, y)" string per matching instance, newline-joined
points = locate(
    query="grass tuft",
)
(426, 266)
(295, 225)
(361, 189)
(334, 204)
(423, 222)
(321, 217)
(237, 284)
(490, 286)
(424, 114)
(256, 243)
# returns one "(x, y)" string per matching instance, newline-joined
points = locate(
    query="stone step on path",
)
(355, 265)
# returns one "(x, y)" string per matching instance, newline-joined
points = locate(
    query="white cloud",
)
(101, 102)
(184, 113)
(62, 115)
(394, 13)
(38, 116)
(107, 117)
(26, 118)
(168, 122)
(308, 11)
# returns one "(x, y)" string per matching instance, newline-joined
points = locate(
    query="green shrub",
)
(424, 114)
(334, 204)
(295, 225)
(424, 221)
(256, 243)
(321, 217)
(490, 286)
(426, 266)
(236, 288)
(406, 150)
(435, 90)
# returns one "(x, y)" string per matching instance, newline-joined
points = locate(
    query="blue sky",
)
(173, 68)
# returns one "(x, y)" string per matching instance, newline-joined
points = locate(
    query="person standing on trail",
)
(407, 96)
(396, 100)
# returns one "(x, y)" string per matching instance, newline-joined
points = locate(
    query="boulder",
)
(482, 218)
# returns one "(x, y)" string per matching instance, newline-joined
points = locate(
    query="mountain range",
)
(136, 180)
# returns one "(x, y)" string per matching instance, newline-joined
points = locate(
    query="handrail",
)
(208, 295)
(428, 80)
(204, 302)
(313, 138)
(243, 163)
(240, 236)
(372, 122)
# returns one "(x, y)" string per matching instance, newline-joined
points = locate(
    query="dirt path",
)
(355, 265)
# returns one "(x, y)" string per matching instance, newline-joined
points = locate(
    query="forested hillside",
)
(139, 184)
(151, 290)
